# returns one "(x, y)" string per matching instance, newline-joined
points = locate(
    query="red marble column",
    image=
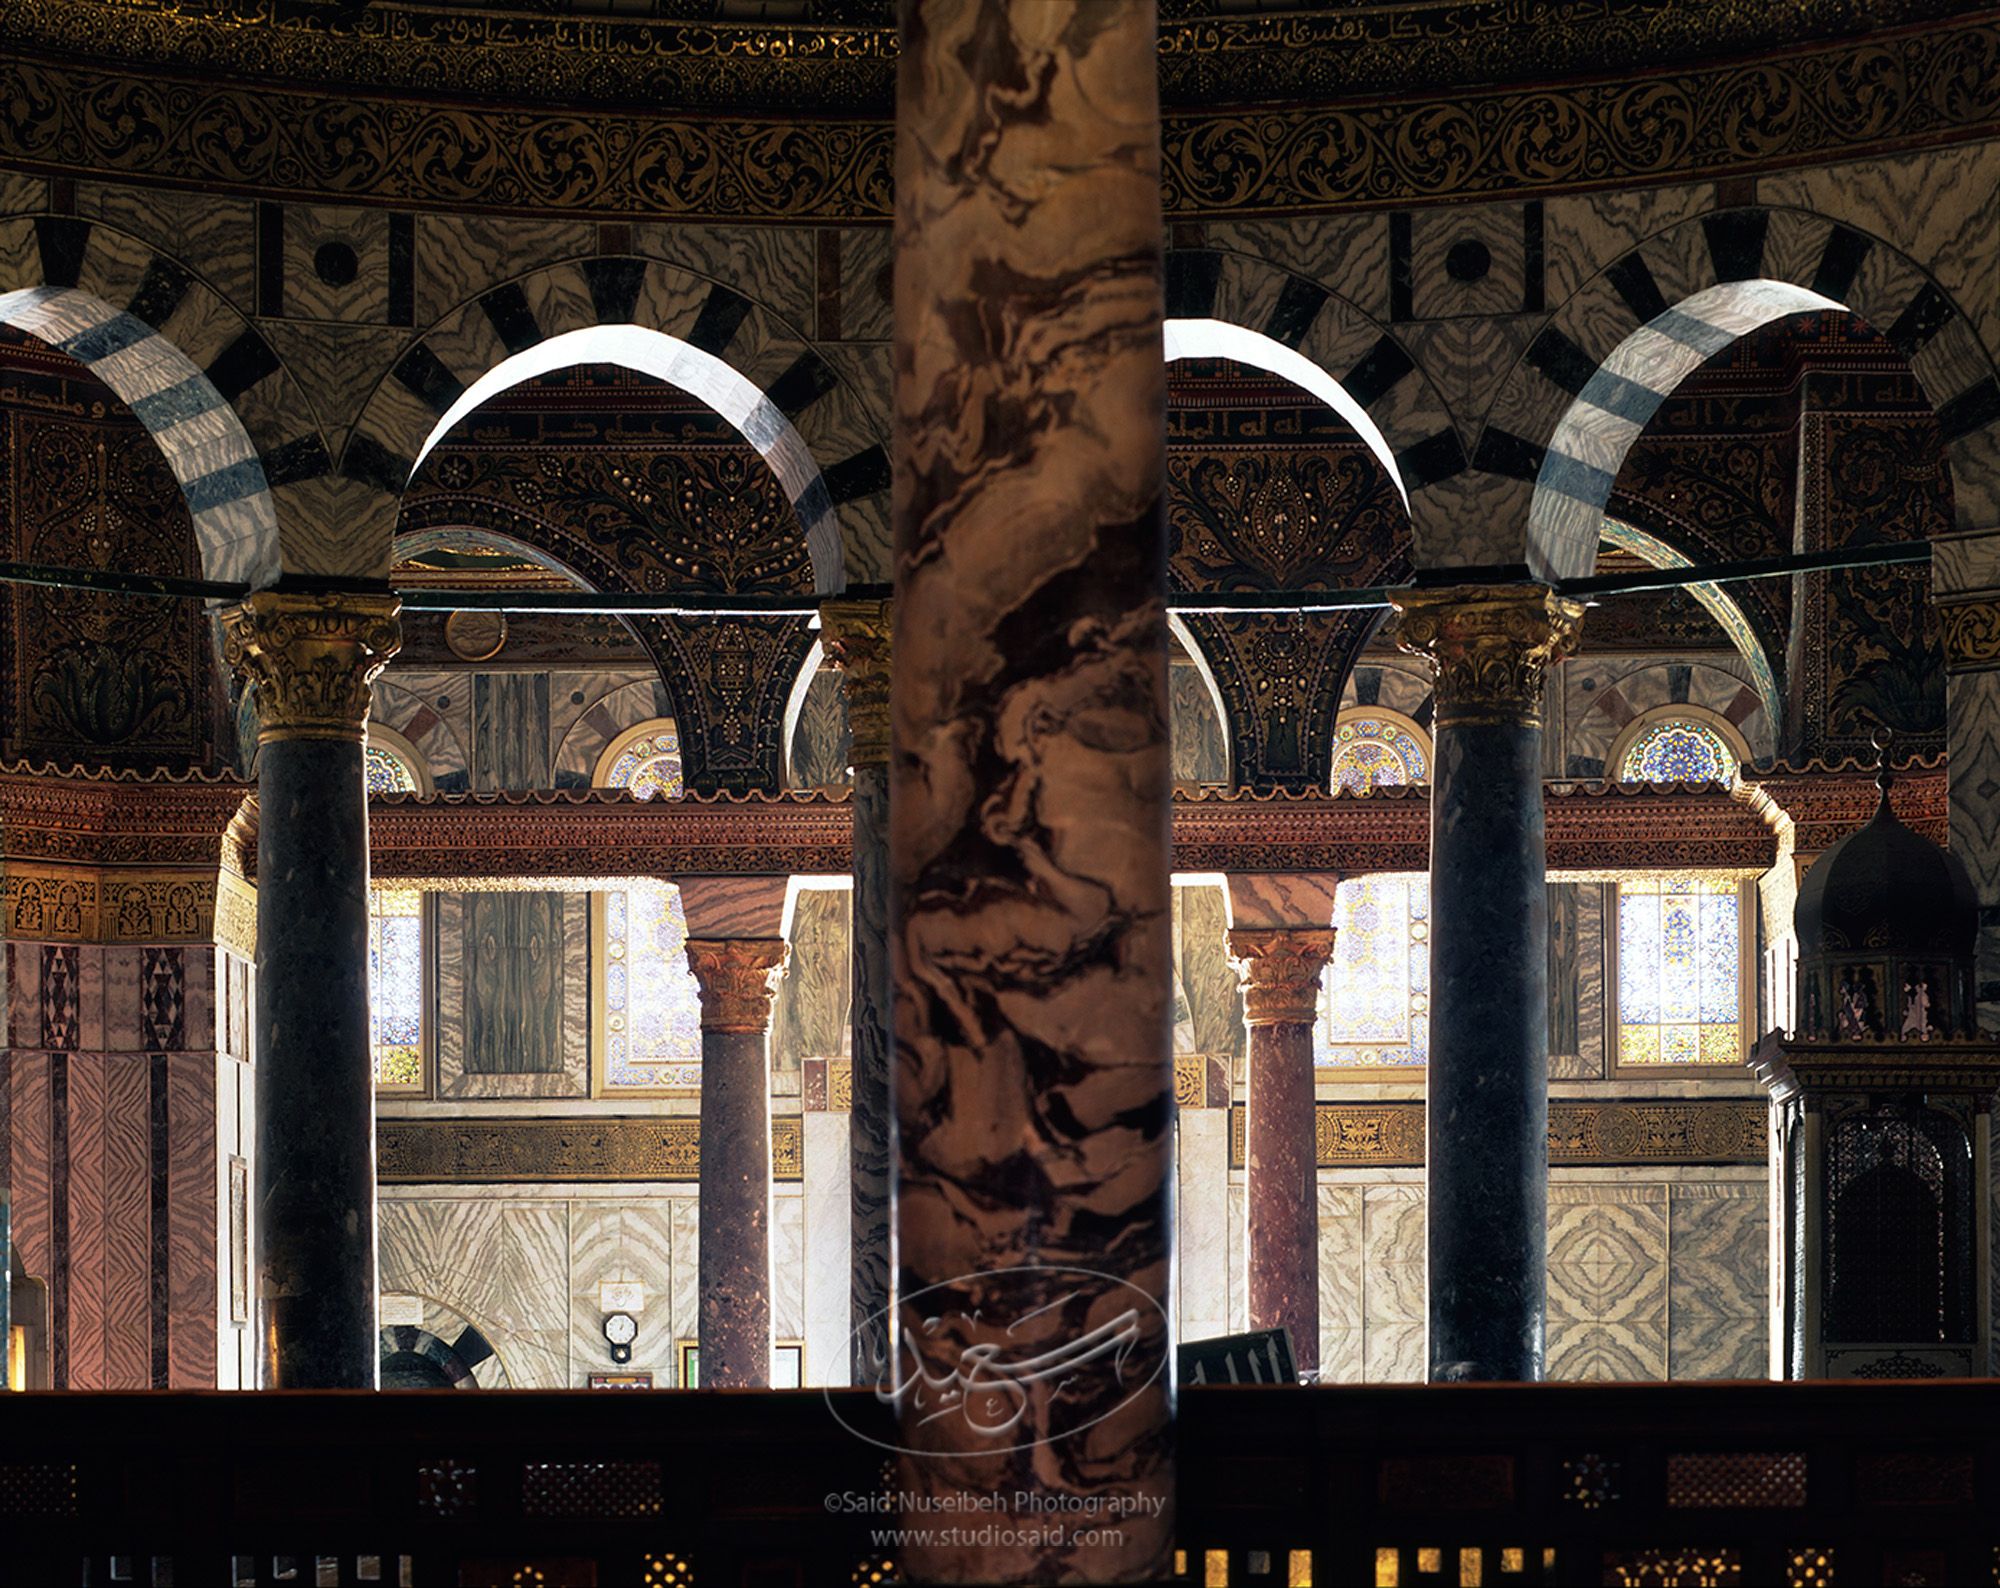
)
(1029, 918)
(1280, 942)
(736, 949)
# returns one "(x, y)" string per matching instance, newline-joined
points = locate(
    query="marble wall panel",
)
(827, 1235)
(1607, 1282)
(127, 1244)
(1239, 1259)
(197, 1234)
(337, 367)
(1719, 1279)
(510, 731)
(462, 256)
(778, 265)
(488, 1056)
(865, 283)
(502, 1263)
(82, 1320)
(1468, 362)
(630, 1240)
(21, 194)
(1584, 234)
(1202, 1228)
(1340, 1284)
(788, 1266)
(809, 1016)
(685, 1303)
(1348, 254)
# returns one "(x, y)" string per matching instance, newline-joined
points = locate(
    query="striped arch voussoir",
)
(193, 371)
(795, 409)
(1610, 355)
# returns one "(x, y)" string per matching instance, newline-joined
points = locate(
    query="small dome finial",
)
(1881, 739)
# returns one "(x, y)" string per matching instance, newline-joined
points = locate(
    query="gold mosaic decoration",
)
(488, 1150)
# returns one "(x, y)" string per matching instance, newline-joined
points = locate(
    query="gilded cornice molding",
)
(737, 978)
(1581, 1134)
(312, 657)
(487, 1150)
(1491, 645)
(1278, 969)
(174, 111)
(857, 636)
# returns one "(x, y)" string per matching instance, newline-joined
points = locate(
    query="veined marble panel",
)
(1340, 1283)
(827, 1234)
(1607, 1282)
(1202, 1225)
(630, 1241)
(788, 1266)
(462, 1073)
(1719, 1281)
(810, 1014)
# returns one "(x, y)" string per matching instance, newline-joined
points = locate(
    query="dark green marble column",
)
(311, 656)
(1487, 1107)
(856, 637)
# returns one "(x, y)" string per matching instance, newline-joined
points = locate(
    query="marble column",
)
(1029, 915)
(736, 949)
(311, 656)
(1280, 940)
(856, 635)
(1487, 1175)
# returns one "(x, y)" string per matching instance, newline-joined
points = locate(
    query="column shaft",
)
(1029, 917)
(733, 1220)
(1281, 970)
(311, 658)
(1487, 1168)
(856, 634)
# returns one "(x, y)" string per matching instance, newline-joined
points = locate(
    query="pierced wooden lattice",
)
(591, 1488)
(668, 1571)
(447, 1488)
(876, 1572)
(38, 1489)
(1674, 1568)
(1809, 1568)
(1737, 1480)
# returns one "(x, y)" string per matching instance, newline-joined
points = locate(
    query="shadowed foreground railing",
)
(1643, 1485)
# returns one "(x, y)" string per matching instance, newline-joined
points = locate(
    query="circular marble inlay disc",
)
(475, 636)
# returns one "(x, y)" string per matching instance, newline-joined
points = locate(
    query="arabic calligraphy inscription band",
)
(1029, 898)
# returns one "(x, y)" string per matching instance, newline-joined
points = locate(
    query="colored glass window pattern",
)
(1375, 752)
(396, 986)
(650, 765)
(652, 1007)
(1678, 750)
(1375, 994)
(1680, 971)
(387, 772)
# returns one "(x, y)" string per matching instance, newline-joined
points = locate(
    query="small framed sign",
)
(621, 1381)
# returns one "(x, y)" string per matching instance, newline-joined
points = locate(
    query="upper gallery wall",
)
(1485, 223)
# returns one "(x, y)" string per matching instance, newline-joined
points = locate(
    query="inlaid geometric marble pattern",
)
(1647, 1279)
(1607, 1282)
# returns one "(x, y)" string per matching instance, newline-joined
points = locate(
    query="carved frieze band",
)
(489, 1151)
(1823, 102)
(80, 904)
(1391, 1135)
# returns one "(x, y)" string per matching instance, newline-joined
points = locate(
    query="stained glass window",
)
(1375, 995)
(1372, 752)
(651, 1005)
(396, 986)
(387, 772)
(1678, 750)
(1680, 971)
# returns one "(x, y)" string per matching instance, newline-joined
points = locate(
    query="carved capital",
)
(1278, 969)
(855, 635)
(737, 978)
(312, 656)
(1492, 646)
(1971, 635)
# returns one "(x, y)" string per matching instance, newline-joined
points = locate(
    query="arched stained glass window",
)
(648, 764)
(1375, 994)
(387, 772)
(1680, 971)
(1378, 750)
(1678, 750)
(396, 986)
(650, 1007)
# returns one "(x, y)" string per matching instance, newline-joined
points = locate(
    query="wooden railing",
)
(1641, 1485)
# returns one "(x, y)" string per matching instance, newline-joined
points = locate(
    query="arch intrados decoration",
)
(214, 460)
(703, 376)
(1221, 339)
(1716, 601)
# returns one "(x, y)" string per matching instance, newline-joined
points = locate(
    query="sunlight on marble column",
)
(1029, 900)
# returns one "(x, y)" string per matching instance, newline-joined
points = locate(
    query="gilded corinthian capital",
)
(1492, 645)
(856, 637)
(737, 977)
(312, 656)
(1278, 968)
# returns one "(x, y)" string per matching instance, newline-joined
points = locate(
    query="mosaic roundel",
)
(1377, 752)
(1678, 750)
